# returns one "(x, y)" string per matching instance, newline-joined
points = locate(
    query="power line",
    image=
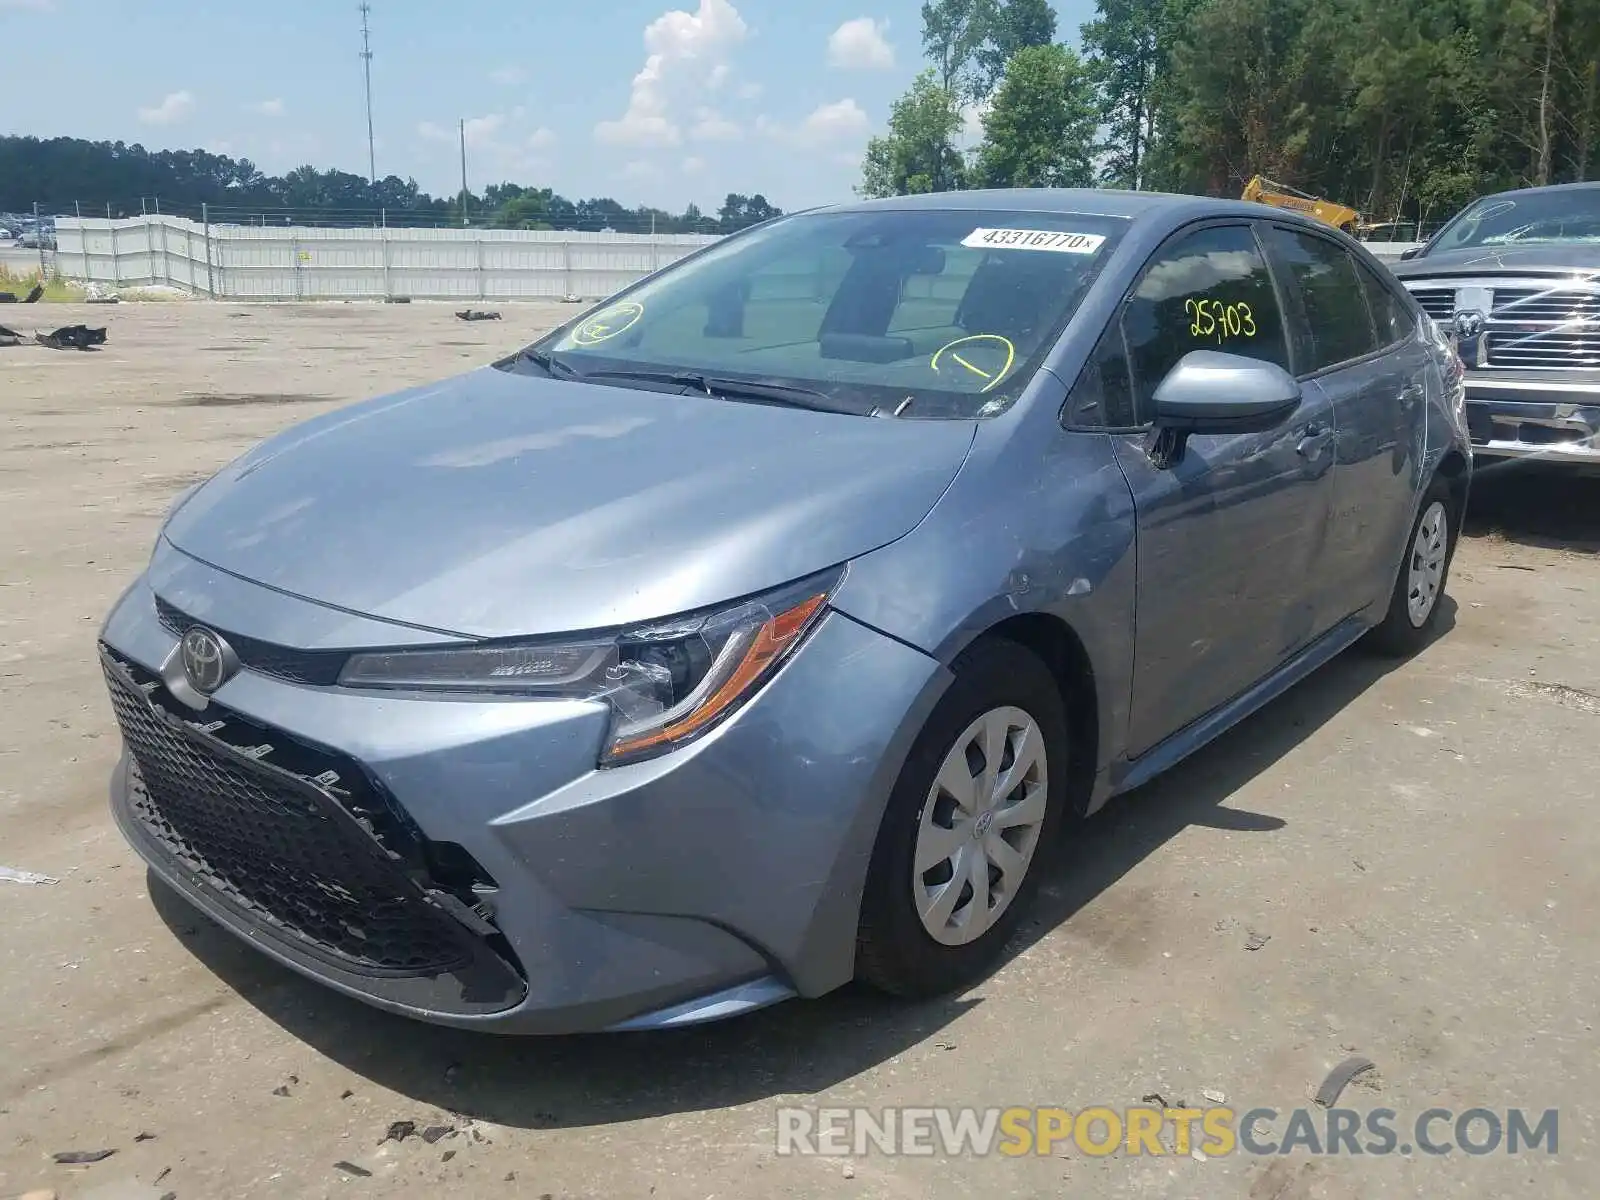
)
(366, 57)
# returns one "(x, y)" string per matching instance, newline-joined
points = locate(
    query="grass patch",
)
(56, 289)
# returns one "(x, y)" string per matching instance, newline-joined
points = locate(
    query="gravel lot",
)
(1412, 849)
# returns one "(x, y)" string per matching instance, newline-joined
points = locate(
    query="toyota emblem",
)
(208, 661)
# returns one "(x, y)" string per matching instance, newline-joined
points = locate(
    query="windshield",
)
(923, 313)
(1536, 217)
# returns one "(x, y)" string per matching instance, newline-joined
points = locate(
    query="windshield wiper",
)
(736, 389)
(551, 364)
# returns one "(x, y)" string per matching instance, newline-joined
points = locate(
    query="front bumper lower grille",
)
(288, 840)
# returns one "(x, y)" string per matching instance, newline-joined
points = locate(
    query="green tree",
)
(1128, 46)
(1010, 26)
(1040, 130)
(953, 32)
(917, 154)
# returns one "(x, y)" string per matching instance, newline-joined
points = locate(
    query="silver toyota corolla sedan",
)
(763, 628)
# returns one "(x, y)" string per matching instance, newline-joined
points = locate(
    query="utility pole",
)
(366, 57)
(464, 192)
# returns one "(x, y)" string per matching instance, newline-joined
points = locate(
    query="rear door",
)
(1230, 536)
(1357, 342)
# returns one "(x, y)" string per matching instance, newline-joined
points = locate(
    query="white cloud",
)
(267, 108)
(712, 126)
(430, 131)
(693, 165)
(749, 91)
(843, 120)
(508, 76)
(861, 45)
(480, 131)
(718, 77)
(541, 139)
(972, 116)
(640, 169)
(173, 107)
(683, 51)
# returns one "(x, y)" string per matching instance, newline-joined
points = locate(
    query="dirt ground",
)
(1410, 850)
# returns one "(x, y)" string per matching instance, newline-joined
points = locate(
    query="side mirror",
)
(1212, 392)
(1410, 252)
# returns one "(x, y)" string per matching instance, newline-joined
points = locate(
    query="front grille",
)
(1572, 349)
(1532, 324)
(1438, 302)
(291, 844)
(320, 667)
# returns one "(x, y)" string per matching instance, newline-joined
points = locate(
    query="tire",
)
(1430, 548)
(1001, 691)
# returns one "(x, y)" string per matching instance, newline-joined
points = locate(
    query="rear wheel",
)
(1419, 587)
(957, 857)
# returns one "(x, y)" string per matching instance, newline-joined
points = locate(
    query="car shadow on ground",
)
(798, 1048)
(1536, 504)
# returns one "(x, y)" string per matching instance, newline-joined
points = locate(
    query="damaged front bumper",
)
(1549, 420)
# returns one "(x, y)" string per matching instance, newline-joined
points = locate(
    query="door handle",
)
(1315, 436)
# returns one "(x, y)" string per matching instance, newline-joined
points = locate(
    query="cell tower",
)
(366, 57)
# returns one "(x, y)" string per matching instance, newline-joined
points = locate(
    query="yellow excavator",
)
(1281, 195)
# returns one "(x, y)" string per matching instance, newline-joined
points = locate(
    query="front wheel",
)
(1419, 587)
(975, 808)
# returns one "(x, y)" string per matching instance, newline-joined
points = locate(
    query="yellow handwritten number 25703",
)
(1214, 318)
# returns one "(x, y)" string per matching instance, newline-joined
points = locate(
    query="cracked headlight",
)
(665, 683)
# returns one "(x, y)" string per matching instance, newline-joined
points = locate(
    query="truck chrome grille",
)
(1530, 324)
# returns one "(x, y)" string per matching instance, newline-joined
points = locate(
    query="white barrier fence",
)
(245, 262)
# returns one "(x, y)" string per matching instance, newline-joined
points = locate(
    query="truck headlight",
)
(665, 683)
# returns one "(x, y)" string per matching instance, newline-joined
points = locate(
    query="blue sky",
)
(659, 102)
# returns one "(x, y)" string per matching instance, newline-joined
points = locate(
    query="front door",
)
(1231, 537)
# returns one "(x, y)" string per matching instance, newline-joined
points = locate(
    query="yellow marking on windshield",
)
(1004, 343)
(607, 323)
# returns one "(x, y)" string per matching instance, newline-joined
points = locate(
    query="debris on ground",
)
(281, 1090)
(350, 1168)
(1154, 1098)
(1254, 940)
(399, 1131)
(346, 1094)
(452, 1073)
(1341, 1075)
(144, 1137)
(1213, 1095)
(849, 1171)
(478, 314)
(12, 875)
(31, 298)
(72, 337)
(436, 1133)
(9, 337)
(448, 1155)
(41, 1194)
(76, 1158)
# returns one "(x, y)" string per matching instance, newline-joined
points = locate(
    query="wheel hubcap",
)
(980, 826)
(1426, 570)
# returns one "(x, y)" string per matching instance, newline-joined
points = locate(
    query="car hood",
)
(1545, 259)
(497, 504)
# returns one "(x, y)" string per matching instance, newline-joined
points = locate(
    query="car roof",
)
(1586, 186)
(1099, 202)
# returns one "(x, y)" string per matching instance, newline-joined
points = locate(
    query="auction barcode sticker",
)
(1034, 239)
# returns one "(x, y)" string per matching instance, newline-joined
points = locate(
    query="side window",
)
(1102, 398)
(1337, 326)
(1210, 290)
(1390, 316)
